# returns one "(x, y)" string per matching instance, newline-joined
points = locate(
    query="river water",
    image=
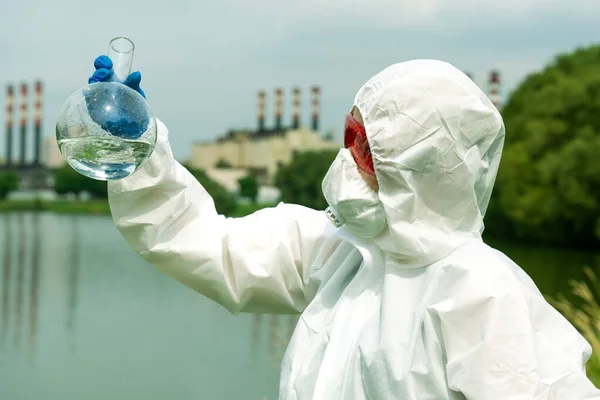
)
(83, 317)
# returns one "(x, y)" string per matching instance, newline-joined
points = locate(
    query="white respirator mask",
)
(351, 200)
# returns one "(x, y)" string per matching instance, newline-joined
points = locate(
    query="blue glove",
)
(124, 119)
(104, 73)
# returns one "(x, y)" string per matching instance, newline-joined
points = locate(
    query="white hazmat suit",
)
(422, 311)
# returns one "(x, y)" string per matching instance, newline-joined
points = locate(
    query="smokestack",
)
(23, 122)
(37, 104)
(296, 109)
(10, 101)
(261, 110)
(316, 90)
(494, 88)
(278, 108)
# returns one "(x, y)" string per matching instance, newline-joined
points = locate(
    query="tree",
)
(9, 181)
(300, 181)
(249, 187)
(67, 180)
(549, 179)
(225, 202)
(222, 163)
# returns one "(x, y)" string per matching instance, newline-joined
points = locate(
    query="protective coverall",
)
(425, 310)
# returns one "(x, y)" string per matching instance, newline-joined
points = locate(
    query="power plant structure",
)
(493, 88)
(28, 156)
(23, 153)
(263, 149)
(260, 151)
(10, 101)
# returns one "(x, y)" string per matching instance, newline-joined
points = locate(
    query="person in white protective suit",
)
(399, 297)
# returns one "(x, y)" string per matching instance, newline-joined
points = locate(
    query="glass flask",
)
(105, 130)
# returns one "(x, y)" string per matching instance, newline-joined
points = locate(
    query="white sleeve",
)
(511, 344)
(258, 263)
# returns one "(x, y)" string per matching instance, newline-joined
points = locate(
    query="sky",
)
(203, 62)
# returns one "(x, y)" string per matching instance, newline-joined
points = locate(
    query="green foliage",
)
(222, 163)
(93, 207)
(585, 317)
(9, 181)
(249, 187)
(549, 180)
(97, 207)
(300, 181)
(225, 202)
(243, 210)
(67, 180)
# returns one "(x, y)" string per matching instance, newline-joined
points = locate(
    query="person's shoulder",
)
(295, 216)
(309, 229)
(485, 271)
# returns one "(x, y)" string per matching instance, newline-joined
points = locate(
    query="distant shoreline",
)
(91, 207)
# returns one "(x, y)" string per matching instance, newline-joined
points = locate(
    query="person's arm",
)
(260, 263)
(505, 343)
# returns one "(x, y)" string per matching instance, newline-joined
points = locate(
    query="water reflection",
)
(35, 284)
(292, 322)
(20, 281)
(77, 302)
(281, 328)
(73, 279)
(256, 325)
(81, 304)
(274, 333)
(6, 275)
(21, 274)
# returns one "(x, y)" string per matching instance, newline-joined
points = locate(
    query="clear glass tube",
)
(120, 51)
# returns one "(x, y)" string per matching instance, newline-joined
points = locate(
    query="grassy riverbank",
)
(92, 207)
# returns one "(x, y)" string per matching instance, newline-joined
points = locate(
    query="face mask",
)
(351, 201)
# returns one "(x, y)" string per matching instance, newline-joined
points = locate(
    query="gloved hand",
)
(124, 120)
(104, 73)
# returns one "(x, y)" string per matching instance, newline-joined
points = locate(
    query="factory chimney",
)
(296, 109)
(278, 108)
(494, 88)
(38, 122)
(261, 110)
(24, 102)
(316, 90)
(10, 101)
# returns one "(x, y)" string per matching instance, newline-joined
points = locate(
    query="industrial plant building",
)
(262, 150)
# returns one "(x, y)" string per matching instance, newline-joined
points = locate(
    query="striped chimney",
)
(278, 108)
(494, 88)
(296, 109)
(10, 101)
(24, 116)
(261, 110)
(316, 91)
(37, 104)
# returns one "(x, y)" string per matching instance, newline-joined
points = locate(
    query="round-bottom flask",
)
(106, 130)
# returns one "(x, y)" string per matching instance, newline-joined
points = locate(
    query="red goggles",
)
(355, 140)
